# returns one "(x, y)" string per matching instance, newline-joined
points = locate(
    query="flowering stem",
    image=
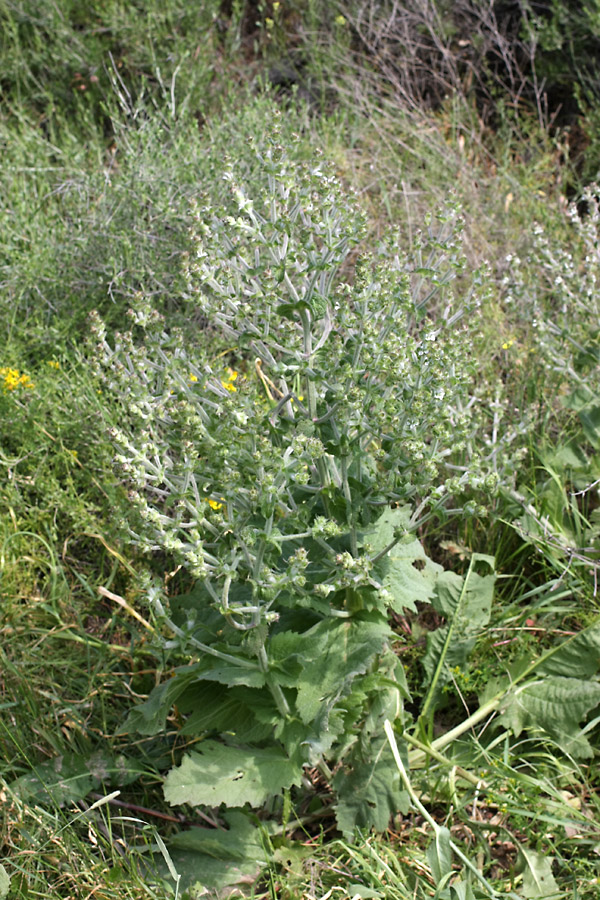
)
(276, 692)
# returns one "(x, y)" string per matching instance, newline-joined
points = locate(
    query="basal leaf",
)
(70, 777)
(538, 880)
(457, 655)
(473, 606)
(578, 657)
(439, 855)
(217, 773)
(234, 675)
(333, 653)
(557, 705)
(239, 840)
(213, 859)
(150, 717)
(244, 714)
(4, 883)
(466, 603)
(369, 792)
(461, 890)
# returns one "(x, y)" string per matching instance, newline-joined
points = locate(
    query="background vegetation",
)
(117, 123)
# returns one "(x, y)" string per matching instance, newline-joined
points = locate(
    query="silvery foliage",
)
(284, 492)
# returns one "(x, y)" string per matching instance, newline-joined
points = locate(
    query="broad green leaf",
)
(216, 859)
(557, 705)
(331, 655)
(234, 675)
(475, 604)
(457, 655)
(235, 842)
(70, 777)
(4, 883)
(217, 773)
(439, 855)
(406, 572)
(150, 717)
(461, 890)
(590, 420)
(243, 713)
(341, 650)
(385, 529)
(538, 880)
(466, 603)
(409, 575)
(578, 657)
(370, 792)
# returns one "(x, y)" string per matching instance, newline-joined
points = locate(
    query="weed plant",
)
(291, 487)
(98, 178)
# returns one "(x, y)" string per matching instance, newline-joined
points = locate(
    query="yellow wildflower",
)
(507, 345)
(14, 379)
(214, 504)
(228, 382)
(53, 364)
(193, 377)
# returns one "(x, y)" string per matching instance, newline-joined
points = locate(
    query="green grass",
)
(97, 185)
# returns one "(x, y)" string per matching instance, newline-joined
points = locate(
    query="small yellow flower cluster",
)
(215, 505)
(13, 379)
(507, 345)
(228, 382)
(53, 364)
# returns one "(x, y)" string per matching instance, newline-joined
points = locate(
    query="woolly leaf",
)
(557, 705)
(333, 653)
(217, 773)
(150, 717)
(216, 859)
(70, 777)
(439, 855)
(409, 575)
(385, 529)
(538, 880)
(369, 792)
(466, 603)
(244, 714)
(4, 883)
(578, 657)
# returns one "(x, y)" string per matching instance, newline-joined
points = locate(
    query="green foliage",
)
(61, 59)
(4, 883)
(557, 509)
(217, 858)
(466, 604)
(217, 774)
(557, 705)
(71, 777)
(538, 880)
(272, 485)
(98, 179)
